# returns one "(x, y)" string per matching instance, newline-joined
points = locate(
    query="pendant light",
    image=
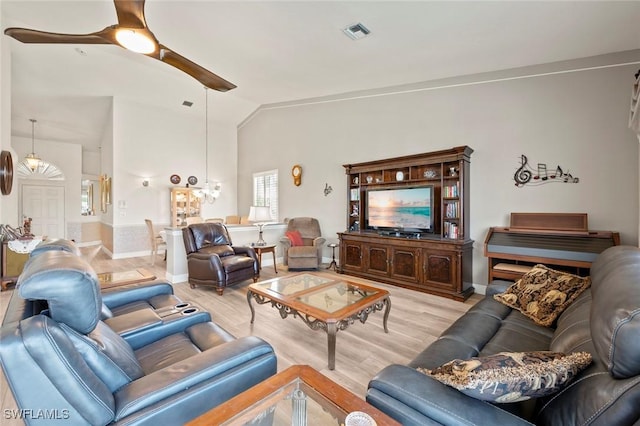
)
(33, 161)
(208, 193)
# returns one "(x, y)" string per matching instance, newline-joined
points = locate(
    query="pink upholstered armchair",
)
(302, 244)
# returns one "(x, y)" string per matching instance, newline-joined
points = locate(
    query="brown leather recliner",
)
(213, 260)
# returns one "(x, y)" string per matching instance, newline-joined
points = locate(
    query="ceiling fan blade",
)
(26, 35)
(130, 16)
(130, 13)
(201, 74)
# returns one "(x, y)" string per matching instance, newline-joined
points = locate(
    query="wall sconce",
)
(145, 182)
(327, 189)
(105, 192)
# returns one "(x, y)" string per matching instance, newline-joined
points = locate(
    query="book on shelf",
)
(452, 210)
(451, 230)
(452, 191)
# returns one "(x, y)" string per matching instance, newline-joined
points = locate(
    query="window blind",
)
(265, 191)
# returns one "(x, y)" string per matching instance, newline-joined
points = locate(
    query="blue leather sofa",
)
(66, 357)
(604, 321)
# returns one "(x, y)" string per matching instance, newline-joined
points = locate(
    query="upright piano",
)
(559, 239)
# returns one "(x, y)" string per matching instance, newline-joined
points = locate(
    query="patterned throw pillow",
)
(511, 376)
(543, 293)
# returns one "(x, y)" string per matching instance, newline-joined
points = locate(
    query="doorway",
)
(44, 204)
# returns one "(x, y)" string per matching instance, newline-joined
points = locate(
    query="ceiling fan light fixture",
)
(135, 41)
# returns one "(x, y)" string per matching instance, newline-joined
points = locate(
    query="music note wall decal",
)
(542, 172)
(522, 175)
(525, 174)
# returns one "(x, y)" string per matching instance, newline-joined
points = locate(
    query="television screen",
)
(407, 209)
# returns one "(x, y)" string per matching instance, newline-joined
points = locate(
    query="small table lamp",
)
(260, 216)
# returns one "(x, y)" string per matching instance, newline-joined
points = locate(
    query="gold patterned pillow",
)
(543, 293)
(511, 376)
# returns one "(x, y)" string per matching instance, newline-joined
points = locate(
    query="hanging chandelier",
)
(32, 160)
(210, 192)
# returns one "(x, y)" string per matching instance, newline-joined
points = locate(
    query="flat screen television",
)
(407, 209)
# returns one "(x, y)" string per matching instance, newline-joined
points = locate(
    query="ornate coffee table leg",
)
(331, 344)
(253, 312)
(387, 302)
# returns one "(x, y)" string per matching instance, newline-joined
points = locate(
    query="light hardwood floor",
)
(416, 320)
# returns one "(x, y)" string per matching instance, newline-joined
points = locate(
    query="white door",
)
(45, 206)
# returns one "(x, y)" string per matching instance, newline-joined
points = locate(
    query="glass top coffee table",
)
(297, 396)
(321, 302)
(117, 279)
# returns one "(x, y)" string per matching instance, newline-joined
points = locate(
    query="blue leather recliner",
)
(155, 294)
(62, 360)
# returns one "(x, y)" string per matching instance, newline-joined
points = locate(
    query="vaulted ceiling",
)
(278, 51)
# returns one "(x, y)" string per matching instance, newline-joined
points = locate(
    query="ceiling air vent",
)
(187, 103)
(357, 31)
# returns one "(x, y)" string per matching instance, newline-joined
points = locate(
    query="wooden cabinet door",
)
(405, 263)
(441, 269)
(377, 259)
(351, 253)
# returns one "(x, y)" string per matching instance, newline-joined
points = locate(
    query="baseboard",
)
(131, 254)
(174, 279)
(89, 243)
(479, 288)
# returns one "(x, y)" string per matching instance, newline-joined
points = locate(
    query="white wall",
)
(155, 143)
(577, 120)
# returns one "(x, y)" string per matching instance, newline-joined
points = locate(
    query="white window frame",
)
(269, 194)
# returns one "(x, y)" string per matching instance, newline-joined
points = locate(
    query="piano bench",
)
(509, 271)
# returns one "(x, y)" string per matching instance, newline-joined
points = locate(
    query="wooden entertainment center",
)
(437, 261)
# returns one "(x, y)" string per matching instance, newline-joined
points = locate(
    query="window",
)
(265, 191)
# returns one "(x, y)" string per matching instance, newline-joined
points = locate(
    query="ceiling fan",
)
(131, 32)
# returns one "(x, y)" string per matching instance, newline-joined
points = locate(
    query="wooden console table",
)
(438, 266)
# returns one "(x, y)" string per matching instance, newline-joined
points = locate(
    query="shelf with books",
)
(451, 209)
(451, 189)
(451, 230)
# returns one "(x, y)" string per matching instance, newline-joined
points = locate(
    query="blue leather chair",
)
(155, 294)
(67, 361)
